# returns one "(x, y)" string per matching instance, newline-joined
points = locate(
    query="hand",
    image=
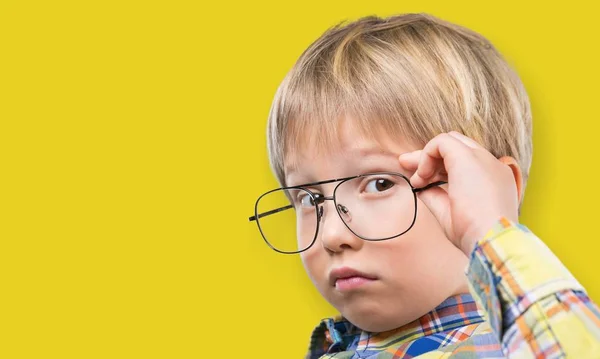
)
(480, 190)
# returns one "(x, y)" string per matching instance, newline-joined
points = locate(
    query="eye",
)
(306, 200)
(378, 185)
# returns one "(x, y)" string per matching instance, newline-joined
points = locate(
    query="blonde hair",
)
(412, 75)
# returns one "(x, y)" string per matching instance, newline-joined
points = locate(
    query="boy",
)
(402, 146)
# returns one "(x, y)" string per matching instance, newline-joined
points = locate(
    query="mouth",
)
(346, 278)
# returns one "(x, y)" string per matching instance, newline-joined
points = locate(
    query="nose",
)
(333, 234)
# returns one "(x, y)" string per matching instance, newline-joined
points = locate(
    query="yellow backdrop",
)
(132, 148)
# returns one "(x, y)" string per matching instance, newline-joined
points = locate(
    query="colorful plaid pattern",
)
(523, 304)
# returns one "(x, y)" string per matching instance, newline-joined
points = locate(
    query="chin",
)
(373, 317)
(373, 323)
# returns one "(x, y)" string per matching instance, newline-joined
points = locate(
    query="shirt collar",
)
(338, 334)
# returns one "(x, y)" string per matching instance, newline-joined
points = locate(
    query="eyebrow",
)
(363, 152)
(375, 151)
(322, 182)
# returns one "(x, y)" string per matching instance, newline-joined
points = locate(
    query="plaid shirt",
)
(523, 304)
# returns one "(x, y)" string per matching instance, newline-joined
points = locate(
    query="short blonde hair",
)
(412, 75)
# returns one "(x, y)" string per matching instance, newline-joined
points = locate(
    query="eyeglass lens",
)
(373, 207)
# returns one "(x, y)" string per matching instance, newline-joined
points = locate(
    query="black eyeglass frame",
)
(319, 199)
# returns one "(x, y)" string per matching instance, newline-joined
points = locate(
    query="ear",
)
(516, 170)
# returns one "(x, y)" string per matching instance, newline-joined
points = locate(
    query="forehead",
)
(349, 150)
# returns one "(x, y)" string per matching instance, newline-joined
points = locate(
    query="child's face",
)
(412, 273)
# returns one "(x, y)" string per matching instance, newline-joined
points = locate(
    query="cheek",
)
(315, 264)
(420, 254)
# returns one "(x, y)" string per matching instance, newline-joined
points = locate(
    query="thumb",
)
(437, 201)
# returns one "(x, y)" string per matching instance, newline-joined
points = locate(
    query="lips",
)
(349, 275)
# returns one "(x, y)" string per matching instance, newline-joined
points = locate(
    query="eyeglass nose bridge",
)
(341, 209)
(319, 201)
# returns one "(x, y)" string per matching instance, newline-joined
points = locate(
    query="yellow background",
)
(132, 149)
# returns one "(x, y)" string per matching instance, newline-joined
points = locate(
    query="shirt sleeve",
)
(533, 303)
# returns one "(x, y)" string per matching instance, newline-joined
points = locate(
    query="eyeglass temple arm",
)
(264, 214)
(434, 184)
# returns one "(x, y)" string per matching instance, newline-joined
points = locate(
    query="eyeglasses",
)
(373, 206)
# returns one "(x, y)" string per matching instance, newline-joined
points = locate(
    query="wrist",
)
(467, 246)
(483, 232)
(477, 234)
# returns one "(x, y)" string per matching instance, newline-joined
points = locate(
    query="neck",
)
(457, 311)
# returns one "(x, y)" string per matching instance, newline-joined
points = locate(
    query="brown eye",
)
(378, 185)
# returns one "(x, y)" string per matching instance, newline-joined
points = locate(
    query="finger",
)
(464, 139)
(440, 175)
(427, 170)
(410, 160)
(437, 177)
(439, 154)
(437, 201)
